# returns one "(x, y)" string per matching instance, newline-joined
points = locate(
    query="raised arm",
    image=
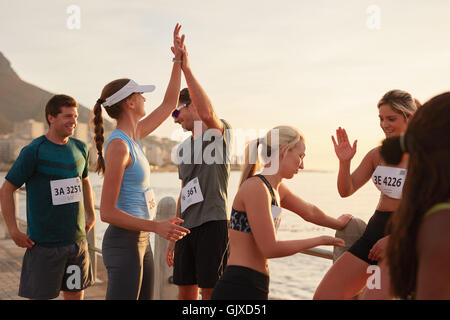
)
(170, 101)
(348, 183)
(199, 97)
(310, 212)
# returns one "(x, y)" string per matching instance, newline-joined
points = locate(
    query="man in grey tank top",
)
(204, 170)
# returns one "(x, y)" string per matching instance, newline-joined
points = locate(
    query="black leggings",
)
(128, 258)
(375, 230)
(241, 283)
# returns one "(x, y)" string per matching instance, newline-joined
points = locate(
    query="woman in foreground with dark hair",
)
(418, 251)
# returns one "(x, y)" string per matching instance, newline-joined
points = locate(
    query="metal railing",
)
(316, 252)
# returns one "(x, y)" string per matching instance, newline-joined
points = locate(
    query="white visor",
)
(128, 89)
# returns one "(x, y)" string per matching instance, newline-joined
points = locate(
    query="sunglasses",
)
(176, 112)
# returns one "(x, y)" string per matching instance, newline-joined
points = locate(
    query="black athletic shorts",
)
(241, 283)
(200, 257)
(375, 230)
(47, 271)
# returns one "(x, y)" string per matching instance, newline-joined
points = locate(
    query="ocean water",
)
(293, 277)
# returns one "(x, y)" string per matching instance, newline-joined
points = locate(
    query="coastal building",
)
(4, 147)
(23, 133)
(28, 130)
(158, 150)
(82, 132)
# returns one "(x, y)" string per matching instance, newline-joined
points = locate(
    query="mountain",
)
(20, 100)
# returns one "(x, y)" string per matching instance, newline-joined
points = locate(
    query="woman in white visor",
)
(127, 199)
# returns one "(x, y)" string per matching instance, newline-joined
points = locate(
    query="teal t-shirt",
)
(39, 163)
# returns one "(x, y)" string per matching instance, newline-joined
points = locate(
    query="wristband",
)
(176, 60)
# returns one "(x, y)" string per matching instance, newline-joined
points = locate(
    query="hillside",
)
(20, 100)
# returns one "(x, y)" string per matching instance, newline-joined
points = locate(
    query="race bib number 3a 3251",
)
(66, 191)
(191, 194)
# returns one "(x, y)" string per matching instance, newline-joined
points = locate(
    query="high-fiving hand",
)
(179, 48)
(343, 149)
(178, 43)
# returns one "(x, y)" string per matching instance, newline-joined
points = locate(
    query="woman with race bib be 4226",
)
(349, 274)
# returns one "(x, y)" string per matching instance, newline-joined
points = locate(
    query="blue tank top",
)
(136, 178)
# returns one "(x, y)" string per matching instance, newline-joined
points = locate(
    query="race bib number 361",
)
(191, 194)
(66, 191)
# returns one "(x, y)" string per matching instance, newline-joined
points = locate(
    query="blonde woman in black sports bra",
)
(349, 274)
(256, 214)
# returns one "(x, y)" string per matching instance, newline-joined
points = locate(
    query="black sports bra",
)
(238, 219)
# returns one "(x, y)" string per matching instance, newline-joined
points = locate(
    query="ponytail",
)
(114, 111)
(391, 150)
(251, 164)
(272, 142)
(98, 137)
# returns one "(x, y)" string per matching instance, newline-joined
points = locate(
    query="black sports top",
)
(238, 219)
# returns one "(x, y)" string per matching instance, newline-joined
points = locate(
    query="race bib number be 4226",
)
(66, 191)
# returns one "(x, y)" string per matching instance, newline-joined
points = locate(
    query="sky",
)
(315, 65)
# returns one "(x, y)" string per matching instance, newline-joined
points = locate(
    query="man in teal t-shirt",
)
(54, 168)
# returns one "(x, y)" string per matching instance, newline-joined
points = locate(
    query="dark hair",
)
(184, 96)
(114, 111)
(55, 104)
(417, 102)
(391, 150)
(428, 182)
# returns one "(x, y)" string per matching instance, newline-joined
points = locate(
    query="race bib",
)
(191, 194)
(66, 191)
(389, 180)
(276, 215)
(151, 203)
